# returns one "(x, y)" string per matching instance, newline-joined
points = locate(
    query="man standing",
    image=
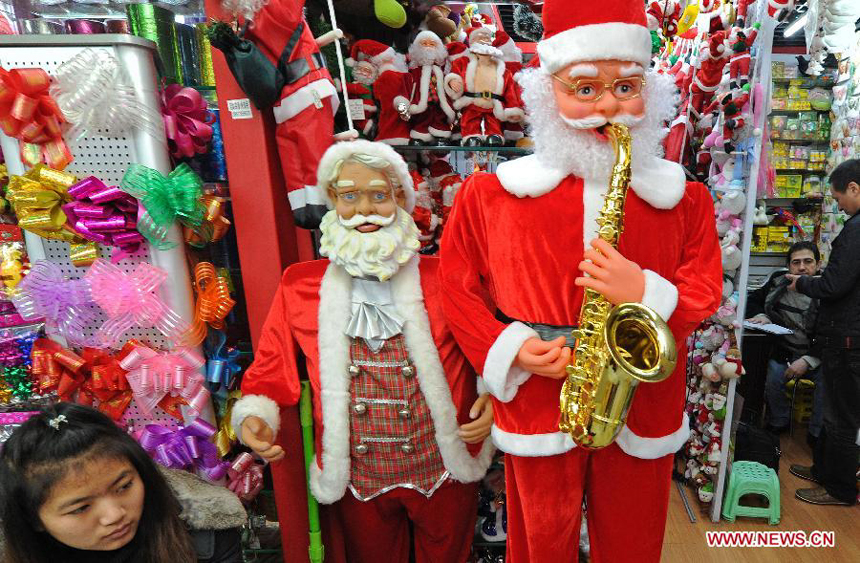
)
(399, 424)
(834, 461)
(791, 358)
(517, 252)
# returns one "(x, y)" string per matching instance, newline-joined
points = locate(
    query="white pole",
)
(340, 65)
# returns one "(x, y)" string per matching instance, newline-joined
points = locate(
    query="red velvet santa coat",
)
(506, 87)
(309, 314)
(519, 236)
(390, 89)
(420, 78)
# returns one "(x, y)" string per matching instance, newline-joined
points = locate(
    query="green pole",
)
(316, 551)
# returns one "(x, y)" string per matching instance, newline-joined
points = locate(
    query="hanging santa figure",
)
(712, 13)
(527, 236)
(740, 42)
(390, 89)
(663, 15)
(707, 78)
(733, 115)
(399, 425)
(431, 114)
(513, 57)
(484, 91)
(780, 9)
(305, 110)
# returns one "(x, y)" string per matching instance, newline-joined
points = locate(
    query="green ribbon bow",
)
(178, 196)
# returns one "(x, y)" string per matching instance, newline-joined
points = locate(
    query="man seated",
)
(791, 357)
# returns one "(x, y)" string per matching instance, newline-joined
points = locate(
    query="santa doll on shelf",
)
(513, 57)
(527, 236)
(390, 89)
(399, 424)
(431, 114)
(733, 115)
(712, 61)
(305, 111)
(484, 91)
(450, 185)
(425, 215)
(438, 170)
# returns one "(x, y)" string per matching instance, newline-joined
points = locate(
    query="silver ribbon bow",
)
(374, 316)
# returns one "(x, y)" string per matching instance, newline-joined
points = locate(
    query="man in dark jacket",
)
(792, 357)
(838, 331)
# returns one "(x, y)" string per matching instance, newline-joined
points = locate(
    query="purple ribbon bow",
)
(187, 448)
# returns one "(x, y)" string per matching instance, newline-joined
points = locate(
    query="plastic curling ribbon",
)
(186, 448)
(106, 215)
(57, 369)
(222, 364)
(66, 305)
(152, 375)
(245, 478)
(11, 264)
(213, 303)
(214, 226)
(178, 196)
(187, 121)
(37, 198)
(130, 299)
(226, 436)
(30, 114)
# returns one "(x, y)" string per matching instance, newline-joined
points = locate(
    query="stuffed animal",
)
(438, 20)
(706, 493)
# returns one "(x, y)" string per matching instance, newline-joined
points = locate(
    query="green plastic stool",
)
(750, 477)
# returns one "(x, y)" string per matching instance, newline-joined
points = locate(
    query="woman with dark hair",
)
(76, 488)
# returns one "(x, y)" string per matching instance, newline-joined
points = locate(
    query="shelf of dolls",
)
(517, 151)
(801, 141)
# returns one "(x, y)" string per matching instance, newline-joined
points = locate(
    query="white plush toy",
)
(760, 217)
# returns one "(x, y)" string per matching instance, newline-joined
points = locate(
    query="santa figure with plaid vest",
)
(527, 236)
(483, 90)
(400, 428)
(431, 114)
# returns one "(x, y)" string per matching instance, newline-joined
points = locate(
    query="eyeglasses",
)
(591, 90)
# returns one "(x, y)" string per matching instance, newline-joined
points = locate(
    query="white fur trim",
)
(596, 42)
(482, 387)
(420, 136)
(424, 92)
(532, 445)
(400, 100)
(394, 141)
(382, 57)
(439, 132)
(307, 195)
(329, 483)
(653, 448)
(661, 295)
(514, 112)
(593, 196)
(255, 405)
(469, 83)
(341, 151)
(304, 97)
(513, 135)
(527, 177)
(502, 378)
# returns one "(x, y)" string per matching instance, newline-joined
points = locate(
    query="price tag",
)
(240, 109)
(356, 109)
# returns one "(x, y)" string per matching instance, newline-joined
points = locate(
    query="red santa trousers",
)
(377, 531)
(302, 140)
(627, 501)
(431, 123)
(739, 67)
(471, 118)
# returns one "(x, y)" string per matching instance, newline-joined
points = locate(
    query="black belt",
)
(545, 331)
(839, 342)
(300, 68)
(486, 95)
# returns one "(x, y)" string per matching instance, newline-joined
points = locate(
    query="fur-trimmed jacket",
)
(465, 69)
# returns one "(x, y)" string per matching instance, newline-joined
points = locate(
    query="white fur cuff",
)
(450, 77)
(514, 112)
(399, 100)
(653, 448)
(661, 295)
(501, 377)
(255, 405)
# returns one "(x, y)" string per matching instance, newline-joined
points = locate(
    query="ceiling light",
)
(796, 25)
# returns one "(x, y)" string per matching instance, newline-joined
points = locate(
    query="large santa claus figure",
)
(399, 426)
(527, 236)
(483, 90)
(431, 113)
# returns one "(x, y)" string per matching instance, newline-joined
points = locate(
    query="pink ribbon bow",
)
(187, 120)
(153, 375)
(245, 478)
(130, 299)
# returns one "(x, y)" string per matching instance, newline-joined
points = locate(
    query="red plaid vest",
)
(392, 437)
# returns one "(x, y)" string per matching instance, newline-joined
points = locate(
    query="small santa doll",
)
(663, 15)
(450, 186)
(740, 42)
(390, 90)
(400, 428)
(513, 58)
(710, 71)
(438, 170)
(363, 75)
(425, 216)
(733, 116)
(484, 91)
(431, 114)
(712, 13)
(780, 9)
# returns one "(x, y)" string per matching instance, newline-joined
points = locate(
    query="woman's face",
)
(96, 506)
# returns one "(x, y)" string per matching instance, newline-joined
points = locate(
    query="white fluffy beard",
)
(378, 254)
(562, 145)
(419, 55)
(483, 49)
(246, 8)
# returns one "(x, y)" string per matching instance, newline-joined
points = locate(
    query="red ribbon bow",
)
(187, 120)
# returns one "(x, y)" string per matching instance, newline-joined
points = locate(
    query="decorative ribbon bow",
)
(28, 113)
(178, 196)
(16, 361)
(37, 198)
(187, 120)
(153, 376)
(245, 477)
(213, 303)
(214, 226)
(93, 93)
(226, 435)
(105, 215)
(186, 448)
(222, 364)
(130, 299)
(66, 305)
(11, 264)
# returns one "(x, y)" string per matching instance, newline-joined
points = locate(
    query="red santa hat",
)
(481, 20)
(583, 30)
(373, 51)
(456, 49)
(342, 151)
(440, 168)
(506, 45)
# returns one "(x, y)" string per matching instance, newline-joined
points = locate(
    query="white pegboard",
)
(107, 158)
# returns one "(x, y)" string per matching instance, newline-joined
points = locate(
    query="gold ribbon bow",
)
(213, 303)
(214, 226)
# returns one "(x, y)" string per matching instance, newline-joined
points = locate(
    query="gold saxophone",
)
(616, 346)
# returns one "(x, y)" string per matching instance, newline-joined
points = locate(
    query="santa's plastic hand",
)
(481, 414)
(515, 118)
(260, 437)
(456, 85)
(612, 275)
(547, 359)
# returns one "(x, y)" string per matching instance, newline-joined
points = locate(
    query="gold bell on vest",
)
(407, 448)
(354, 370)
(404, 413)
(359, 408)
(408, 371)
(361, 449)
